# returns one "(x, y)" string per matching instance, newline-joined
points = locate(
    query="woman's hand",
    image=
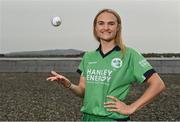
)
(118, 106)
(60, 79)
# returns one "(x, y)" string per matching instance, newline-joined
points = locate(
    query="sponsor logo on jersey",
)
(144, 63)
(99, 76)
(116, 62)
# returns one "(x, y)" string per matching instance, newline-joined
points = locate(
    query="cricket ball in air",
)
(56, 21)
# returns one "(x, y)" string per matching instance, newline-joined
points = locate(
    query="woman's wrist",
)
(133, 107)
(69, 85)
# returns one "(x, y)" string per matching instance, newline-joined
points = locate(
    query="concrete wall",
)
(161, 65)
(166, 65)
(38, 64)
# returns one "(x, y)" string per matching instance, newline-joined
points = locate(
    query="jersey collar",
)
(116, 48)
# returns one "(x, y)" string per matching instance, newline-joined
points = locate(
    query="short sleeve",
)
(142, 69)
(81, 69)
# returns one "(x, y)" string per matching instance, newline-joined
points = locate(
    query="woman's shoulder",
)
(131, 50)
(90, 53)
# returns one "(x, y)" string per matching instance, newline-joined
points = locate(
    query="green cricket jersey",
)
(111, 74)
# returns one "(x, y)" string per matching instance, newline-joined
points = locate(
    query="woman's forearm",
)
(156, 86)
(77, 90)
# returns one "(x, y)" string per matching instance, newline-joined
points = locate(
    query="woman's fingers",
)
(113, 98)
(51, 78)
(113, 106)
(60, 79)
(117, 106)
(54, 77)
(58, 76)
(112, 110)
(54, 73)
(109, 103)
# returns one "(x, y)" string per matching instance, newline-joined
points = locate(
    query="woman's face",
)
(106, 26)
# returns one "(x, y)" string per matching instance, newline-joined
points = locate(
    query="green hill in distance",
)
(45, 53)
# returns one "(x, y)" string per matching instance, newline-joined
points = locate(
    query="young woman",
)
(108, 72)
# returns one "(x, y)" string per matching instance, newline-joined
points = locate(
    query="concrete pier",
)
(161, 65)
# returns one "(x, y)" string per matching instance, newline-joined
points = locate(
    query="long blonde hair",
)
(118, 38)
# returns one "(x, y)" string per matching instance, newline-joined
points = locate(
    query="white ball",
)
(56, 21)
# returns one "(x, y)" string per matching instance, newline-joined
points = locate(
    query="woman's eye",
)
(100, 23)
(112, 23)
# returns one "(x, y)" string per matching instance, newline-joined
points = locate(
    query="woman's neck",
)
(107, 46)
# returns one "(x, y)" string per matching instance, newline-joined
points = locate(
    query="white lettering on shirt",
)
(98, 75)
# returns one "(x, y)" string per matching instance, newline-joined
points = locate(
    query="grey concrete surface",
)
(161, 65)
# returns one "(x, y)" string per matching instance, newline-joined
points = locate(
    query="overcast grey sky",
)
(148, 25)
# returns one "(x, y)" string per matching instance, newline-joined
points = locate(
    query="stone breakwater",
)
(161, 65)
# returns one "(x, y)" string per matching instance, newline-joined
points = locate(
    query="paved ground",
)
(28, 96)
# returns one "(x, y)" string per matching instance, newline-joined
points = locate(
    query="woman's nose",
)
(106, 26)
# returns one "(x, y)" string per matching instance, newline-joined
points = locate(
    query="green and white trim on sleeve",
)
(111, 74)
